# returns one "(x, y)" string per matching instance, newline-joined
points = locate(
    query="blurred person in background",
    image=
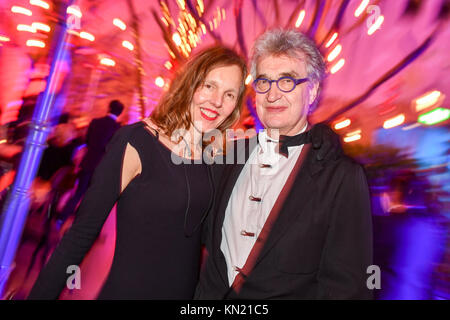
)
(99, 133)
(56, 177)
(20, 127)
(14, 135)
(408, 238)
(62, 144)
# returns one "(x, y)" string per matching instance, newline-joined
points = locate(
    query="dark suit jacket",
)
(319, 247)
(99, 133)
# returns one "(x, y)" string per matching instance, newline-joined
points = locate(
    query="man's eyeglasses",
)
(285, 84)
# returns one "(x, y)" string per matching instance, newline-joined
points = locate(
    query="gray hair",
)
(291, 43)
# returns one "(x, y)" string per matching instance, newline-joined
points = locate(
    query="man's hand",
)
(326, 142)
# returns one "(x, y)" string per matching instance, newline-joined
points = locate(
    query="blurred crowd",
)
(68, 161)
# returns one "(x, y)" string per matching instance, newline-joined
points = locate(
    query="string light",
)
(35, 43)
(41, 26)
(107, 62)
(26, 28)
(171, 54)
(376, 25)
(165, 21)
(120, 24)
(352, 138)
(354, 133)
(337, 66)
(159, 81)
(176, 39)
(300, 18)
(330, 42)
(128, 45)
(334, 53)
(394, 122)
(21, 10)
(168, 65)
(427, 100)
(40, 3)
(74, 10)
(188, 31)
(201, 6)
(71, 31)
(361, 7)
(248, 79)
(87, 36)
(434, 116)
(410, 127)
(342, 124)
(181, 4)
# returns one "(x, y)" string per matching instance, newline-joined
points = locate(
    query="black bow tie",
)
(291, 141)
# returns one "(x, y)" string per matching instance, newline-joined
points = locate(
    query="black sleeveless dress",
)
(157, 253)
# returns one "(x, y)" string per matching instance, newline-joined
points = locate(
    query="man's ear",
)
(313, 90)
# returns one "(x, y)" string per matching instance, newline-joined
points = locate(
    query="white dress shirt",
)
(244, 218)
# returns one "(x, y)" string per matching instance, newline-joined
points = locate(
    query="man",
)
(284, 224)
(98, 135)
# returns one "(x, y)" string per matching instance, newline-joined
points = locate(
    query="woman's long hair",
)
(173, 110)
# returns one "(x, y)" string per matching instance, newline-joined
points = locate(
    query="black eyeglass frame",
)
(296, 83)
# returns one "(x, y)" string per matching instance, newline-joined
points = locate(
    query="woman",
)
(160, 205)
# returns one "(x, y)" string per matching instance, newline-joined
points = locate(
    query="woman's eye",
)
(230, 95)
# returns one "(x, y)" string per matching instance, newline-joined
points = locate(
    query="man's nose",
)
(274, 93)
(217, 99)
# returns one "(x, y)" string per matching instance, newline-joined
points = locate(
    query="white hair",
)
(293, 44)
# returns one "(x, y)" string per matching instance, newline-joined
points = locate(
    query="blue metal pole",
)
(17, 204)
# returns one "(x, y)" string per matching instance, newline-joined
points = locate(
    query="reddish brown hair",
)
(173, 110)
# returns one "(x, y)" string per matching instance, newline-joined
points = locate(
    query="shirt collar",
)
(113, 116)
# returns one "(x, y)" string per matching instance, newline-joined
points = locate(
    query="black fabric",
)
(153, 258)
(99, 133)
(54, 158)
(84, 178)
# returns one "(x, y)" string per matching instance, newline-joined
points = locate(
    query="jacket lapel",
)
(296, 198)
